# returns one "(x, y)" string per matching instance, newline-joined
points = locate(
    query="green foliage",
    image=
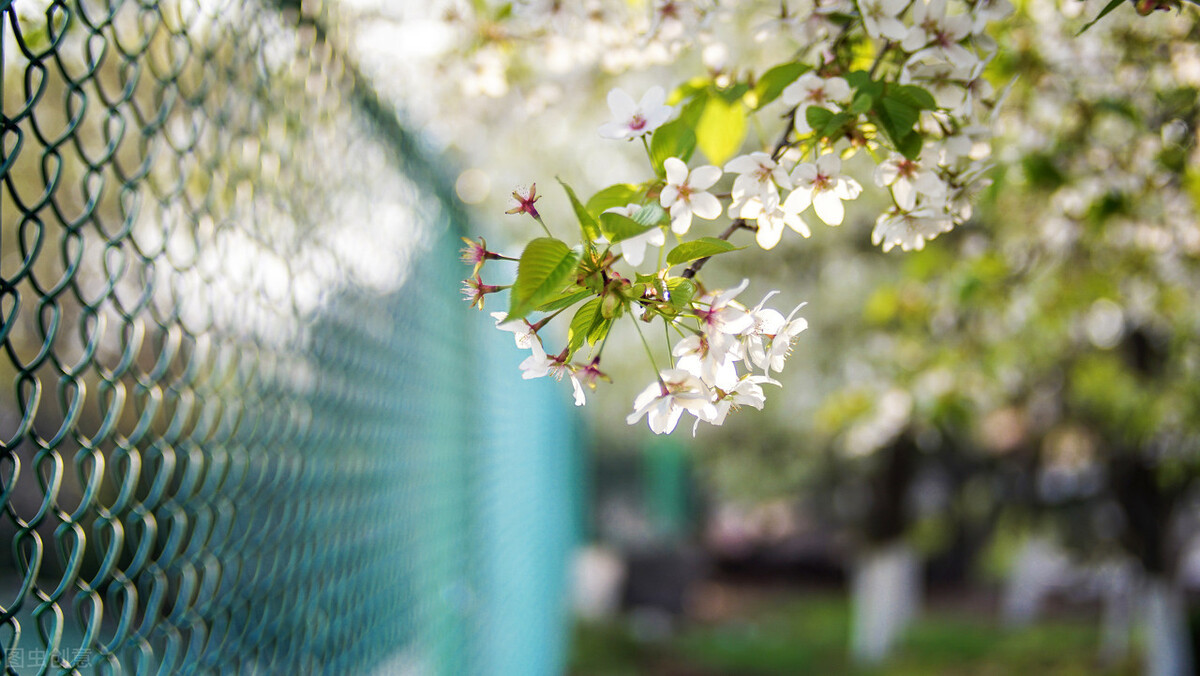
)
(651, 214)
(703, 247)
(680, 292)
(588, 321)
(1112, 4)
(721, 127)
(545, 267)
(617, 227)
(614, 196)
(774, 81)
(673, 139)
(587, 223)
(789, 633)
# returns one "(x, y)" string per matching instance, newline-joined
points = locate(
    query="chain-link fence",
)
(245, 425)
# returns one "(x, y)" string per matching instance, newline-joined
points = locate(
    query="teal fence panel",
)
(530, 525)
(246, 424)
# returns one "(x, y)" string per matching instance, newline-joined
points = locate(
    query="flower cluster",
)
(921, 113)
(714, 365)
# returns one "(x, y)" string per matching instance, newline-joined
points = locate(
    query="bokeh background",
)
(248, 426)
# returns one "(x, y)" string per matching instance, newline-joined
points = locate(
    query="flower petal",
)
(677, 171)
(706, 205)
(621, 104)
(798, 200)
(681, 217)
(669, 195)
(829, 207)
(703, 178)
(769, 235)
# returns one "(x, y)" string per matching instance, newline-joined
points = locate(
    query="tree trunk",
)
(1168, 641)
(1039, 567)
(886, 590)
(1119, 597)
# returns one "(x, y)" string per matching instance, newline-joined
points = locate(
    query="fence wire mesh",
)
(239, 431)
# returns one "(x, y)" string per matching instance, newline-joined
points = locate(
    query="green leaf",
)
(774, 81)
(861, 104)
(691, 112)
(817, 117)
(699, 248)
(910, 146)
(861, 81)
(617, 227)
(544, 269)
(582, 323)
(587, 222)
(681, 290)
(896, 118)
(614, 196)
(836, 126)
(1113, 4)
(600, 330)
(673, 139)
(914, 96)
(567, 299)
(721, 129)
(689, 89)
(650, 214)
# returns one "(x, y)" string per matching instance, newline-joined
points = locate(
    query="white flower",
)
(986, 11)
(634, 248)
(722, 316)
(746, 392)
(771, 218)
(685, 194)
(908, 178)
(822, 185)
(879, 18)
(811, 89)
(539, 364)
(713, 364)
(577, 390)
(767, 322)
(664, 401)
(522, 330)
(910, 229)
(773, 356)
(630, 119)
(932, 28)
(759, 177)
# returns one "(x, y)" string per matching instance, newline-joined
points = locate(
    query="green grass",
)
(789, 635)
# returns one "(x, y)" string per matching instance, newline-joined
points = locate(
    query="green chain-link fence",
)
(245, 425)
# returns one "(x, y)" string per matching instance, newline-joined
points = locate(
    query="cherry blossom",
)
(811, 89)
(664, 401)
(712, 363)
(773, 357)
(910, 229)
(771, 219)
(685, 194)
(822, 185)
(633, 119)
(539, 364)
(910, 178)
(522, 330)
(759, 176)
(879, 18)
(932, 28)
(722, 316)
(747, 391)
